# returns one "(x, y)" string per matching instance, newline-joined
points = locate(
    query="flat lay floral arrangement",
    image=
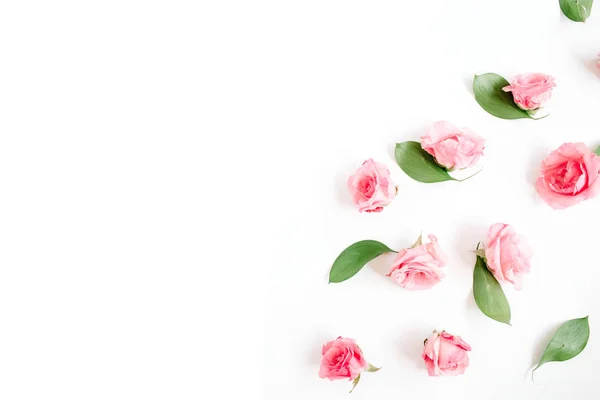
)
(567, 176)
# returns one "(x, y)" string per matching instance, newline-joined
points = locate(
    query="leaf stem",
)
(469, 177)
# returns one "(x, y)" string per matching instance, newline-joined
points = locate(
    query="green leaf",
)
(354, 383)
(488, 293)
(354, 257)
(490, 96)
(576, 10)
(598, 151)
(372, 368)
(568, 341)
(419, 164)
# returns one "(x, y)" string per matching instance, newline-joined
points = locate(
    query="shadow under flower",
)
(382, 265)
(410, 345)
(341, 189)
(543, 341)
(592, 66)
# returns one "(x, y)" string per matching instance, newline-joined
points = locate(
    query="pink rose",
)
(342, 359)
(507, 255)
(445, 354)
(371, 187)
(569, 175)
(452, 148)
(419, 267)
(531, 91)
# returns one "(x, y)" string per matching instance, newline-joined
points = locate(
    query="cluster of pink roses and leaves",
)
(567, 176)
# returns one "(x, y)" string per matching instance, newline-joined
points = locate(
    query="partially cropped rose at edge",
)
(531, 91)
(569, 175)
(452, 147)
(419, 267)
(445, 354)
(371, 187)
(507, 254)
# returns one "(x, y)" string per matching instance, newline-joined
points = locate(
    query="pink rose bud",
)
(371, 187)
(342, 359)
(508, 256)
(419, 267)
(452, 147)
(531, 91)
(569, 175)
(446, 354)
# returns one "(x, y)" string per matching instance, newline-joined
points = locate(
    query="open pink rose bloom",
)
(342, 359)
(371, 187)
(569, 175)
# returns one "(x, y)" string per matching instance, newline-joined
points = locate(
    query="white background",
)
(172, 178)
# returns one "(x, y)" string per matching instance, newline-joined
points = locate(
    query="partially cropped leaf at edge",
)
(490, 96)
(576, 10)
(488, 293)
(354, 258)
(598, 151)
(568, 341)
(419, 164)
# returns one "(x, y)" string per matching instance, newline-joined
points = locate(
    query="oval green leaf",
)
(598, 151)
(568, 341)
(488, 293)
(354, 257)
(419, 164)
(576, 10)
(490, 96)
